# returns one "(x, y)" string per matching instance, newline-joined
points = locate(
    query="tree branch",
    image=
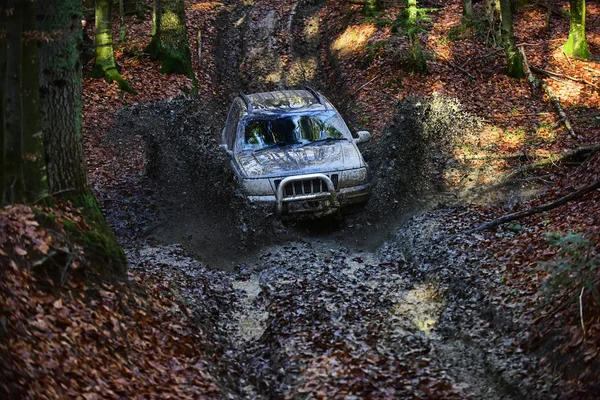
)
(534, 210)
(553, 99)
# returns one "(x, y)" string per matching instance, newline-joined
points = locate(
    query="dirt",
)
(386, 300)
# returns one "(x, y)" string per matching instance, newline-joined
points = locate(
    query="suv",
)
(291, 149)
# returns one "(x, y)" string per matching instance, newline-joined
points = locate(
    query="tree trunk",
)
(419, 64)
(34, 158)
(13, 166)
(105, 58)
(3, 4)
(468, 9)
(169, 42)
(60, 95)
(61, 118)
(514, 66)
(140, 10)
(371, 7)
(548, 13)
(492, 10)
(576, 45)
(122, 31)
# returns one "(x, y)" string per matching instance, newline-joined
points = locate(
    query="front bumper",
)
(314, 202)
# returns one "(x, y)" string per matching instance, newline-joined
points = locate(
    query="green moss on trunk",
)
(61, 106)
(169, 42)
(105, 66)
(372, 7)
(99, 241)
(417, 58)
(514, 65)
(576, 45)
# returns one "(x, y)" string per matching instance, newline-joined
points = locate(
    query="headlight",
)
(257, 187)
(354, 177)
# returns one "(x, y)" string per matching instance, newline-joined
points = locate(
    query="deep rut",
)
(331, 310)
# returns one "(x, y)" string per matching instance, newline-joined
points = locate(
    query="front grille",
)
(307, 186)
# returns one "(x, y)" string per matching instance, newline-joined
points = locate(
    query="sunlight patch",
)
(422, 305)
(353, 39)
(311, 27)
(205, 6)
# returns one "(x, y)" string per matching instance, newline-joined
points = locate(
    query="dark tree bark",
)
(13, 167)
(140, 10)
(61, 119)
(576, 45)
(3, 4)
(34, 158)
(514, 66)
(105, 56)
(60, 95)
(169, 42)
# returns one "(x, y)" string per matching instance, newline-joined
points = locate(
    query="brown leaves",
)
(79, 342)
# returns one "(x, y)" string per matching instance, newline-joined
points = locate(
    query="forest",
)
(133, 265)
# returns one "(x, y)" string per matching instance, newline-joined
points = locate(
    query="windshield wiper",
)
(324, 140)
(275, 145)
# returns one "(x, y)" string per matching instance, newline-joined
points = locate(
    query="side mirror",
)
(363, 136)
(224, 147)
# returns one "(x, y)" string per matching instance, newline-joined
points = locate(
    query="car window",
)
(262, 131)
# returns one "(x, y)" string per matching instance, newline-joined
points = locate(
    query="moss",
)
(104, 254)
(169, 42)
(100, 245)
(576, 45)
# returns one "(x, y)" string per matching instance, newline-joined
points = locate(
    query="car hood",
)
(294, 160)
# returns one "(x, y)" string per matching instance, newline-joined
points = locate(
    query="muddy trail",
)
(384, 302)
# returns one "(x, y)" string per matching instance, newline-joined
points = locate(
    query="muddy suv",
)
(292, 149)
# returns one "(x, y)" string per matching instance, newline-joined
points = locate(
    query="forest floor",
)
(399, 300)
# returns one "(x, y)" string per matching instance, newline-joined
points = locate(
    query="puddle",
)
(422, 306)
(250, 319)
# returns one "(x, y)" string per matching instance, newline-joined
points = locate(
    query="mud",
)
(385, 302)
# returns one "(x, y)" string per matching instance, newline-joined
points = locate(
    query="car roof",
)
(284, 101)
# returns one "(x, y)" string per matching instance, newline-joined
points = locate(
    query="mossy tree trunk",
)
(467, 9)
(169, 42)
(106, 66)
(514, 65)
(61, 95)
(61, 120)
(576, 45)
(419, 64)
(371, 7)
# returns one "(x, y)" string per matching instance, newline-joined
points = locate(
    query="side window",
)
(233, 119)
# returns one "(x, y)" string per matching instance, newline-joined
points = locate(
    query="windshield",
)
(265, 131)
